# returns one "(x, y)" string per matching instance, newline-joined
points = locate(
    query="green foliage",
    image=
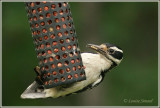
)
(133, 26)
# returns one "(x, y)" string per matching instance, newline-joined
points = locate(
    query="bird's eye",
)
(111, 51)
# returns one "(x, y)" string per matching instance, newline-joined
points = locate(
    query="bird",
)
(97, 64)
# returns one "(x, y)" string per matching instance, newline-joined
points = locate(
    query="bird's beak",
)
(98, 48)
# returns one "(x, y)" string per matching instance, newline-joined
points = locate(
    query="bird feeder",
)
(56, 43)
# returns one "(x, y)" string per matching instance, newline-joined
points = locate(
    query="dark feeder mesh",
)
(56, 43)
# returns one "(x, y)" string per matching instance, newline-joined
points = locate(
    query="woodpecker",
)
(97, 64)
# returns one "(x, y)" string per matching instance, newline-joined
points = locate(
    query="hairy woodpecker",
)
(107, 57)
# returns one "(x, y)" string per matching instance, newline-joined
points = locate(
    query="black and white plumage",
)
(107, 57)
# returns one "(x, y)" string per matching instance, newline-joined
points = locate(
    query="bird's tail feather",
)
(32, 92)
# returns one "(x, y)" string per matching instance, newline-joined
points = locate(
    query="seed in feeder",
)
(56, 80)
(54, 73)
(60, 34)
(50, 82)
(51, 29)
(74, 68)
(81, 74)
(46, 83)
(48, 74)
(50, 59)
(45, 37)
(39, 9)
(34, 11)
(67, 17)
(46, 8)
(34, 33)
(67, 40)
(84, 67)
(53, 6)
(49, 52)
(61, 71)
(76, 75)
(64, 26)
(69, 76)
(59, 5)
(48, 15)
(44, 30)
(57, 57)
(44, 2)
(32, 25)
(63, 48)
(42, 46)
(71, 54)
(69, 24)
(40, 17)
(64, 55)
(49, 22)
(29, 11)
(54, 43)
(63, 79)
(58, 27)
(32, 4)
(44, 76)
(62, 19)
(35, 18)
(43, 69)
(53, 66)
(66, 33)
(69, 46)
(72, 38)
(31, 19)
(37, 47)
(74, 46)
(77, 60)
(39, 54)
(47, 44)
(61, 12)
(46, 67)
(61, 41)
(56, 50)
(68, 69)
(59, 64)
(52, 36)
(72, 61)
(66, 63)
(55, 13)
(37, 25)
(35, 40)
(71, 32)
(42, 23)
(40, 39)
(43, 53)
(64, 4)
(38, 32)
(79, 67)
(56, 20)
(76, 53)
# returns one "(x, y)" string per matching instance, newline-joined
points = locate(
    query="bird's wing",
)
(96, 83)
(32, 92)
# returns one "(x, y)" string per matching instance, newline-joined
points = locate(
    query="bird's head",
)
(109, 51)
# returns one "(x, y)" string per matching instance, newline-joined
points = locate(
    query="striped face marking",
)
(116, 49)
(115, 52)
(110, 51)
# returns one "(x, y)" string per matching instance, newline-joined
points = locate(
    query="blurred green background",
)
(133, 26)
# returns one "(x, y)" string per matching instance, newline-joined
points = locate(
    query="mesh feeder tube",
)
(56, 43)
